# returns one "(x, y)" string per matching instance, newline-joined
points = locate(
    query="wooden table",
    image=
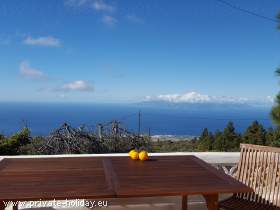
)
(111, 177)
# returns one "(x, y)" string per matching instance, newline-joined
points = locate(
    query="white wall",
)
(210, 157)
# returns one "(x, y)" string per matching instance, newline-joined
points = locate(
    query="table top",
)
(104, 177)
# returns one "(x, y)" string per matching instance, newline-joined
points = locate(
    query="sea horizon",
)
(184, 120)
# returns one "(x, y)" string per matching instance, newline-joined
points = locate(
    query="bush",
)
(11, 145)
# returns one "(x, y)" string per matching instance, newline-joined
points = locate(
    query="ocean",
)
(43, 118)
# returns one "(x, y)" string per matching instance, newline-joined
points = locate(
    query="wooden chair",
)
(259, 168)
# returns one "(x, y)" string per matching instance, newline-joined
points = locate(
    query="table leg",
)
(212, 201)
(184, 202)
(15, 207)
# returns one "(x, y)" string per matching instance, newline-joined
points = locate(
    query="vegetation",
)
(174, 146)
(229, 139)
(67, 140)
(12, 145)
(275, 112)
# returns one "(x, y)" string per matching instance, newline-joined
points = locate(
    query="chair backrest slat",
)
(271, 167)
(254, 181)
(277, 185)
(263, 176)
(259, 168)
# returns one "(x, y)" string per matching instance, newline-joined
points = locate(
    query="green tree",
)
(34, 147)
(276, 143)
(269, 137)
(218, 141)
(255, 134)
(275, 112)
(231, 139)
(272, 137)
(206, 141)
(11, 145)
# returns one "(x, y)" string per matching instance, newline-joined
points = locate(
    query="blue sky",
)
(126, 50)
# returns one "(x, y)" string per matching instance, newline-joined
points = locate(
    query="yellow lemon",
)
(134, 155)
(131, 151)
(143, 155)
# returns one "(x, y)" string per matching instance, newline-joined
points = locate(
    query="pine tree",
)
(269, 137)
(218, 141)
(211, 142)
(206, 141)
(255, 134)
(272, 137)
(275, 112)
(231, 139)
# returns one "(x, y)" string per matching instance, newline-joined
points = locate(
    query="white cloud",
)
(109, 20)
(105, 9)
(100, 5)
(47, 41)
(97, 5)
(194, 97)
(29, 72)
(79, 85)
(134, 19)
